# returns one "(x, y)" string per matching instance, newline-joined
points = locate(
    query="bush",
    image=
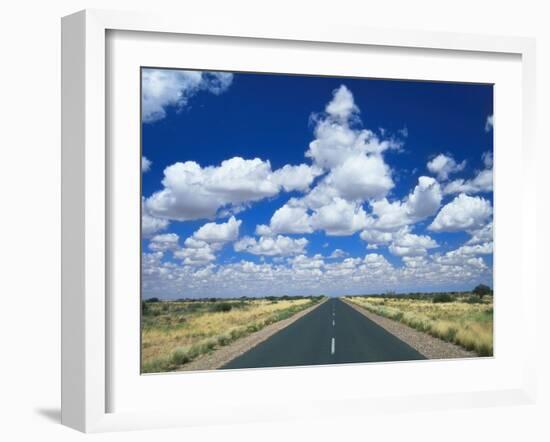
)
(144, 308)
(253, 328)
(442, 297)
(474, 300)
(482, 290)
(152, 300)
(222, 307)
(180, 357)
(223, 340)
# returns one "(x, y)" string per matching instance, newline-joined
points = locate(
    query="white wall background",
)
(30, 219)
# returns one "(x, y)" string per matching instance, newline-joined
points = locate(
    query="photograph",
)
(302, 220)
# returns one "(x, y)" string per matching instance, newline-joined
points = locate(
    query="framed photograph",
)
(251, 213)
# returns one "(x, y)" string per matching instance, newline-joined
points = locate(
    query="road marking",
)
(333, 322)
(332, 346)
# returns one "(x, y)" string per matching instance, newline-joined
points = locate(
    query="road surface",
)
(333, 333)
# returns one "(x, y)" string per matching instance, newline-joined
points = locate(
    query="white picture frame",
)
(85, 219)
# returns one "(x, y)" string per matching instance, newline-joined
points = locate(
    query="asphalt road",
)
(333, 333)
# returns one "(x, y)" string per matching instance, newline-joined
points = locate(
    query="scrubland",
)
(465, 319)
(177, 332)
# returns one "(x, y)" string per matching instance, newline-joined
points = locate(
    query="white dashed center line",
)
(333, 323)
(332, 346)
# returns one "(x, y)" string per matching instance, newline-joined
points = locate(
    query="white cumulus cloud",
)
(463, 213)
(149, 223)
(196, 253)
(376, 237)
(352, 155)
(444, 165)
(287, 219)
(303, 262)
(219, 233)
(295, 177)
(489, 123)
(483, 235)
(465, 256)
(193, 192)
(201, 247)
(351, 160)
(375, 260)
(271, 246)
(424, 201)
(337, 253)
(342, 106)
(162, 88)
(487, 158)
(145, 164)
(482, 182)
(339, 218)
(409, 244)
(361, 177)
(164, 242)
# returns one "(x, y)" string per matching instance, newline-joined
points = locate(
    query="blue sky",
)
(262, 184)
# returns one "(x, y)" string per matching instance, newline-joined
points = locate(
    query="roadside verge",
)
(224, 355)
(428, 346)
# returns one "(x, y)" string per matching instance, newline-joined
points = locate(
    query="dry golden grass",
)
(461, 321)
(176, 332)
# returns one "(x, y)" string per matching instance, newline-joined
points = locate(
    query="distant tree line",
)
(479, 291)
(241, 298)
(208, 304)
(249, 298)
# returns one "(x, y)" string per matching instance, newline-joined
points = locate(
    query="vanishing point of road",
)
(333, 333)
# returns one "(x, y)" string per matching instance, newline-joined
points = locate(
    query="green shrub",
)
(398, 316)
(144, 308)
(221, 307)
(474, 300)
(442, 297)
(253, 328)
(236, 333)
(180, 357)
(224, 340)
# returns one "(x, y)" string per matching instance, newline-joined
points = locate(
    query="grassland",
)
(177, 332)
(465, 319)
